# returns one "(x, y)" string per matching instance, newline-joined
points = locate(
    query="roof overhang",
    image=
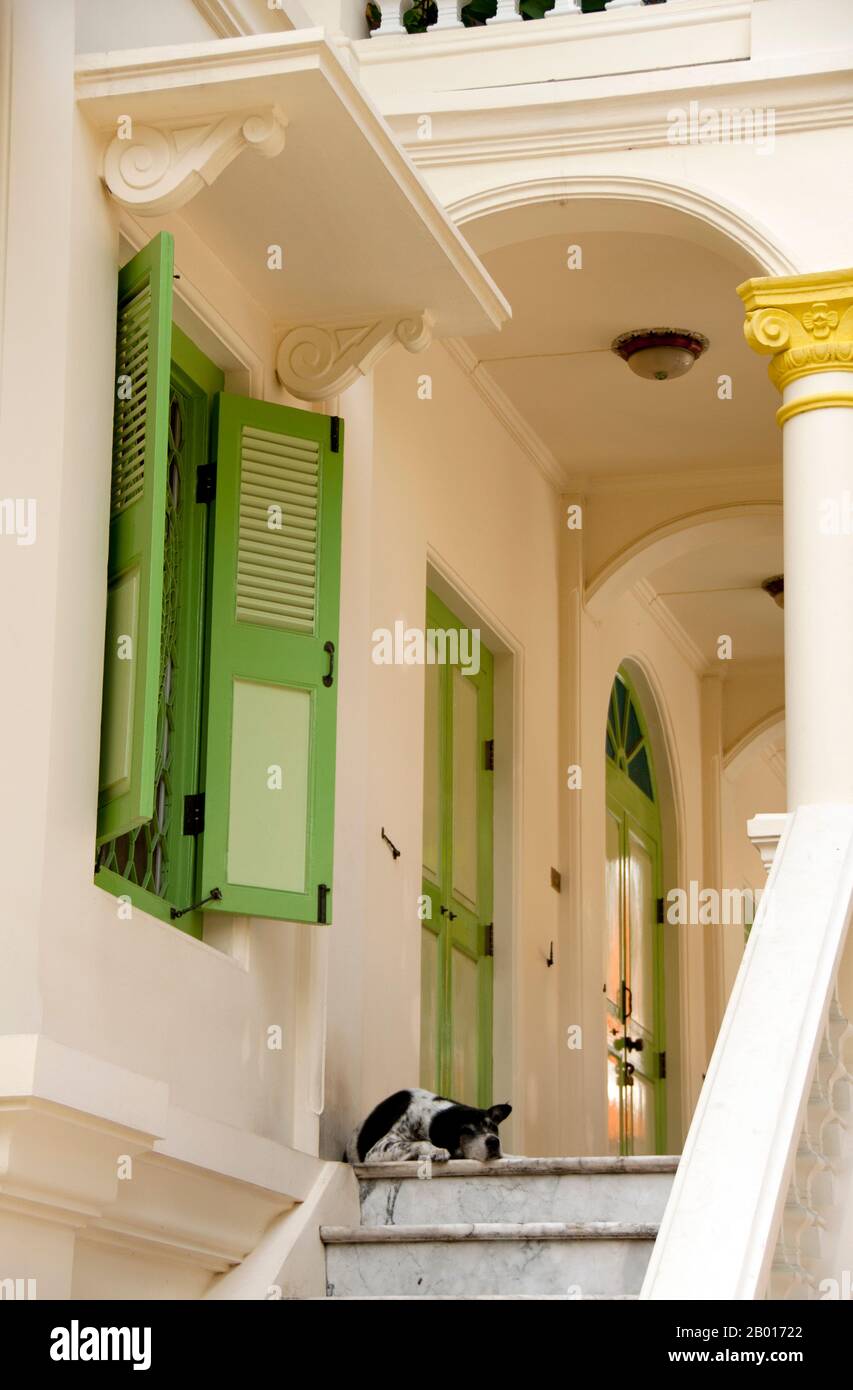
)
(368, 254)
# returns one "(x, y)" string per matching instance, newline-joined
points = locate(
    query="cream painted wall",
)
(104, 24)
(447, 484)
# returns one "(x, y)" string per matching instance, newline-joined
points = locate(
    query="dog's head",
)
(469, 1133)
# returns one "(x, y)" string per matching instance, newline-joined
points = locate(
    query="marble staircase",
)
(516, 1228)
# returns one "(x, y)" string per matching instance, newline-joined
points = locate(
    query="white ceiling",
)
(554, 362)
(717, 591)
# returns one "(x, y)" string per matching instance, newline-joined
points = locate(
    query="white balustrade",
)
(506, 10)
(762, 1204)
(449, 13)
(392, 12)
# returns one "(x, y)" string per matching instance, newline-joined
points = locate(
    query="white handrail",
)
(763, 1190)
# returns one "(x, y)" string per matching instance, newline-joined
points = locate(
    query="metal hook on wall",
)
(395, 853)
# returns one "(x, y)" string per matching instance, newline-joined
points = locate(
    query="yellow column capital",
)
(804, 323)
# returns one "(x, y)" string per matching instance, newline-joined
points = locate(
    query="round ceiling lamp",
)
(659, 353)
(775, 587)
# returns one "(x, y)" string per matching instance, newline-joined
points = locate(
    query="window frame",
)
(198, 380)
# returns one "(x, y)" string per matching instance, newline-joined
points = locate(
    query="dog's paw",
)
(440, 1155)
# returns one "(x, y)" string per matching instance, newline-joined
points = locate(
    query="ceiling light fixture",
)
(775, 587)
(659, 353)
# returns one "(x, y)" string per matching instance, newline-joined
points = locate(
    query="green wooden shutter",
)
(270, 764)
(137, 532)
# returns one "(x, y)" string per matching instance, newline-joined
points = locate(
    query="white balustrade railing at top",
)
(449, 13)
(762, 1204)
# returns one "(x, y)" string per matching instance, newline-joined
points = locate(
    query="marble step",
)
(478, 1298)
(515, 1190)
(543, 1257)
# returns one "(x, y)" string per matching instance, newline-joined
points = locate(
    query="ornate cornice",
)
(805, 324)
(155, 169)
(316, 361)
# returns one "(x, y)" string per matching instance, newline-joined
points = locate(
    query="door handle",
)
(329, 648)
(633, 1044)
(627, 1001)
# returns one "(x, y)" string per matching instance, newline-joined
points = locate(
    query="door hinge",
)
(662, 1066)
(334, 433)
(490, 754)
(205, 483)
(322, 901)
(194, 814)
(659, 916)
(489, 948)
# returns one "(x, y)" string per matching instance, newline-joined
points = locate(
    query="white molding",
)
(770, 727)
(438, 43)
(671, 627)
(758, 475)
(765, 832)
(222, 75)
(157, 169)
(599, 133)
(610, 579)
(316, 361)
(505, 412)
(629, 188)
(231, 19)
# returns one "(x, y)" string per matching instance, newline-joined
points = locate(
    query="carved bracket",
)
(315, 362)
(156, 169)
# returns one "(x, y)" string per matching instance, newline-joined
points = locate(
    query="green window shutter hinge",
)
(489, 948)
(659, 916)
(205, 483)
(322, 901)
(335, 433)
(662, 1066)
(490, 754)
(194, 814)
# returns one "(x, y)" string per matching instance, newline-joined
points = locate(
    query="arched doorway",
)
(634, 987)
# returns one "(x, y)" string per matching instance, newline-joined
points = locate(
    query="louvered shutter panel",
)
(270, 755)
(137, 534)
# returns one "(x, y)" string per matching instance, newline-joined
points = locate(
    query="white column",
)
(806, 323)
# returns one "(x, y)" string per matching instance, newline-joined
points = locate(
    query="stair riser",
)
(571, 1197)
(488, 1267)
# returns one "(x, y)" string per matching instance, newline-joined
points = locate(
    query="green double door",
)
(456, 906)
(634, 1007)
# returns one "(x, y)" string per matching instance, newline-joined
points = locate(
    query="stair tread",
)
(519, 1167)
(489, 1230)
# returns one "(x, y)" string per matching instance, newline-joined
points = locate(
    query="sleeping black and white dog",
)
(418, 1124)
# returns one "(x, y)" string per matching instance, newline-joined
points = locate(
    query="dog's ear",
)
(498, 1113)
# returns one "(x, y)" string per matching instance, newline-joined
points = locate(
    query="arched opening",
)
(634, 1003)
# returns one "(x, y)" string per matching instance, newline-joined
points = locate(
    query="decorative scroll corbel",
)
(315, 362)
(156, 169)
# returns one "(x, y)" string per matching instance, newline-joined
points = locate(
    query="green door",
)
(456, 907)
(634, 1012)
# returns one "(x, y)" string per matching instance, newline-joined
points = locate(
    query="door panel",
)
(640, 874)
(429, 1008)
(465, 1031)
(456, 989)
(634, 1010)
(465, 788)
(432, 773)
